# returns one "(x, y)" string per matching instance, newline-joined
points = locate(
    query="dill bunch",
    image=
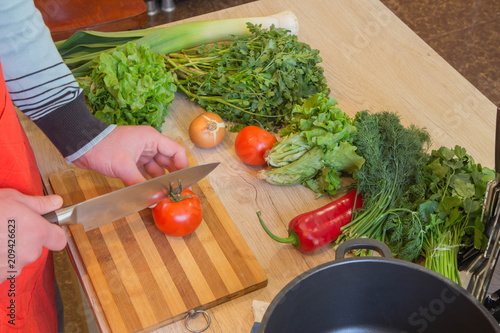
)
(391, 181)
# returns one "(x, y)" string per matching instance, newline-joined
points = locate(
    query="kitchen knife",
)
(112, 206)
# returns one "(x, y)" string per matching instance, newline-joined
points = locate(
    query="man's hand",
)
(22, 227)
(131, 152)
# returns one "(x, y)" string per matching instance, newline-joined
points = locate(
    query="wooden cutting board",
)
(144, 279)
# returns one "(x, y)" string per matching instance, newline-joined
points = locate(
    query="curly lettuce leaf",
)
(130, 87)
(327, 181)
(317, 122)
(321, 122)
(297, 172)
(288, 150)
(344, 158)
(319, 125)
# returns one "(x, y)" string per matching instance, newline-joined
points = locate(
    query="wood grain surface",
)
(373, 61)
(144, 279)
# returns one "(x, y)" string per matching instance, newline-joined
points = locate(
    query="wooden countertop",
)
(372, 61)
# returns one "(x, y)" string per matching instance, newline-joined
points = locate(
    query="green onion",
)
(79, 50)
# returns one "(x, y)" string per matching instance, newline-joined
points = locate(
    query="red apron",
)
(34, 287)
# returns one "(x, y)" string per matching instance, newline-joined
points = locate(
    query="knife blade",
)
(112, 206)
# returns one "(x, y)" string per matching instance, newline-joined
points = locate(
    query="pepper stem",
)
(292, 238)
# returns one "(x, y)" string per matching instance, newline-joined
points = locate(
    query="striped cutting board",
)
(143, 279)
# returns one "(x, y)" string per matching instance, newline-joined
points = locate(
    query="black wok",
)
(374, 294)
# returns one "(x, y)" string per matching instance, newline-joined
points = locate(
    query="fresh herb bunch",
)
(315, 147)
(451, 211)
(129, 86)
(252, 80)
(391, 181)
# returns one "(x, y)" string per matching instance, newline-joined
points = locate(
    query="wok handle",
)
(363, 244)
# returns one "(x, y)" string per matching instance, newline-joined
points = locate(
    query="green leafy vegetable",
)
(391, 181)
(252, 80)
(79, 51)
(341, 159)
(315, 149)
(129, 86)
(290, 148)
(301, 170)
(451, 211)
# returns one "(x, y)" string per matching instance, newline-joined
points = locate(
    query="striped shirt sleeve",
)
(45, 90)
(41, 85)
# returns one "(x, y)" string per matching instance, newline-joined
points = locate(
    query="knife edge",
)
(114, 205)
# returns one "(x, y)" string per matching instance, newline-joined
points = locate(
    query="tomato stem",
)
(174, 194)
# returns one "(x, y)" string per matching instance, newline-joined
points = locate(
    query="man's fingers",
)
(130, 174)
(154, 169)
(42, 204)
(172, 163)
(35, 233)
(172, 155)
(56, 238)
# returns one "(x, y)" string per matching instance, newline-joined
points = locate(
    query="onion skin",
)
(207, 130)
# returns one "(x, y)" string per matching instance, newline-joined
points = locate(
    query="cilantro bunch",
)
(452, 208)
(251, 80)
(129, 86)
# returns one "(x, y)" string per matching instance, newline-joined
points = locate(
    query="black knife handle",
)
(51, 217)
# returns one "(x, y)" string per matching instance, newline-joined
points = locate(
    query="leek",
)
(79, 51)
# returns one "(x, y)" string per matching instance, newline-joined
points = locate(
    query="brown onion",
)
(207, 130)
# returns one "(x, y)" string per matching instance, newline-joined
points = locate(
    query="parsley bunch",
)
(252, 80)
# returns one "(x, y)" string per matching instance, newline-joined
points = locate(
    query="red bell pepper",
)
(312, 230)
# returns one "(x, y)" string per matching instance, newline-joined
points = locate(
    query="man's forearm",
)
(41, 85)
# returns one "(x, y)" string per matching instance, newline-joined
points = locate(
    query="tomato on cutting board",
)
(179, 214)
(251, 144)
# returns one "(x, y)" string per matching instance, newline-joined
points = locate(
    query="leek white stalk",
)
(191, 34)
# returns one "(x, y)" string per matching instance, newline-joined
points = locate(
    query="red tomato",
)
(178, 218)
(251, 144)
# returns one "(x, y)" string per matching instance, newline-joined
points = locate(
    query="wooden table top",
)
(372, 61)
